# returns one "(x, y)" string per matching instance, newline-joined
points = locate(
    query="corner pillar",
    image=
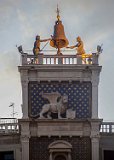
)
(95, 148)
(25, 135)
(95, 57)
(94, 101)
(24, 82)
(25, 147)
(95, 82)
(95, 138)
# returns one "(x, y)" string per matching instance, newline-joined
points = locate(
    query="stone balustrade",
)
(28, 59)
(107, 127)
(9, 125)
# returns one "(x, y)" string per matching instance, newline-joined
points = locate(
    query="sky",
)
(22, 20)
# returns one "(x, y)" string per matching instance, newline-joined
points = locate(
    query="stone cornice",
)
(51, 68)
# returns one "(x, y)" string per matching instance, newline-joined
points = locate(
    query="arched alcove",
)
(60, 150)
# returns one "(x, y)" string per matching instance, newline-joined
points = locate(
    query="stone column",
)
(40, 58)
(50, 157)
(25, 135)
(24, 82)
(95, 148)
(60, 60)
(6, 128)
(95, 137)
(69, 156)
(95, 81)
(24, 58)
(17, 154)
(25, 147)
(95, 58)
(79, 59)
(94, 101)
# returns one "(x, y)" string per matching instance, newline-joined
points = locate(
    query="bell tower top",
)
(66, 80)
(59, 39)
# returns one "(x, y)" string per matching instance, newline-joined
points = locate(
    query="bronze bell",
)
(59, 39)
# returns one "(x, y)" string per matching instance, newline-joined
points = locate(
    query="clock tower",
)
(60, 102)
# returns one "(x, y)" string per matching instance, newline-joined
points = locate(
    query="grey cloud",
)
(7, 12)
(9, 61)
(25, 25)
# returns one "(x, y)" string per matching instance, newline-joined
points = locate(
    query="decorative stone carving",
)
(70, 114)
(60, 144)
(58, 104)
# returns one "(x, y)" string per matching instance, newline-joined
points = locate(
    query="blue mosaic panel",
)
(79, 96)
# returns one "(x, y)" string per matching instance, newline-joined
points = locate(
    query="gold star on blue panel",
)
(79, 96)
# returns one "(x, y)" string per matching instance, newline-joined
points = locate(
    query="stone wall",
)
(81, 147)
